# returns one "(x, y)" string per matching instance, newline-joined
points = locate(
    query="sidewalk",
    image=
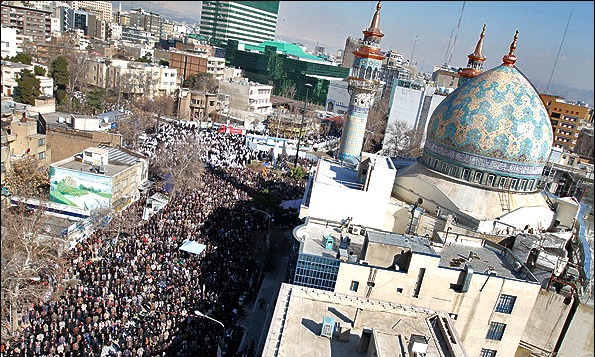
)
(257, 320)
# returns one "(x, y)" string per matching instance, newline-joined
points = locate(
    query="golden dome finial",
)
(510, 58)
(375, 25)
(479, 47)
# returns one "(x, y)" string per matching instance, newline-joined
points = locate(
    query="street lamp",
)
(297, 152)
(219, 345)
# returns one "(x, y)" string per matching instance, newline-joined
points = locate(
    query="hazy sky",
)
(541, 26)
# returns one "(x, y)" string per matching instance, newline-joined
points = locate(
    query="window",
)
(491, 180)
(505, 303)
(487, 353)
(400, 290)
(496, 331)
(477, 177)
(354, 285)
(41, 155)
(466, 173)
(41, 142)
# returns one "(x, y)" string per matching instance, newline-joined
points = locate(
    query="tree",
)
(163, 62)
(20, 58)
(94, 100)
(402, 140)
(28, 87)
(287, 89)
(39, 70)
(376, 126)
(204, 82)
(178, 165)
(59, 72)
(25, 177)
(146, 58)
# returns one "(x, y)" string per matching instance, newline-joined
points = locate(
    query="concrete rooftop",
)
(297, 322)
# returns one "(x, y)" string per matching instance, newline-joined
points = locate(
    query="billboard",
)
(80, 189)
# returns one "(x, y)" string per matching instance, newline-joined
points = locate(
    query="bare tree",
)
(288, 89)
(179, 166)
(402, 140)
(376, 125)
(31, 262)
(26, 178)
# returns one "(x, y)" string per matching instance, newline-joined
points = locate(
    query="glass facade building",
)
(316, 272)
(250, 21)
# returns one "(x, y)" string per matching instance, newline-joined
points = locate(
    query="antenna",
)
(414, 48)
(559, 49)
(454, 42)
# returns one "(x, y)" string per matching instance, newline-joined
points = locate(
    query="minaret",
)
(510, 59)
(476, 60)
(362, 86)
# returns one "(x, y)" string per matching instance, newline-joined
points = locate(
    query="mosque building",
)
(485, 150)
(428, 234)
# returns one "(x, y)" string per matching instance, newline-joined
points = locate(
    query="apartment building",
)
(25, 140)
(252, 22)
(102, 8)
(567, 120)
(187, 63)
(30, 23)
(101, 178)
(248, 96)
(134, 78)
(11, 72)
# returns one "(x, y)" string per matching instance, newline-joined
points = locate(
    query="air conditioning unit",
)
(328, 327)
(356, 230)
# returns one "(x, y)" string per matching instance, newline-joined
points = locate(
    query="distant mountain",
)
(568, 93)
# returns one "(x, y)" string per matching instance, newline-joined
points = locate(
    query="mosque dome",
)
(492, 131)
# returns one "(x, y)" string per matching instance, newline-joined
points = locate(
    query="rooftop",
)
(110, 169)
(298, 320)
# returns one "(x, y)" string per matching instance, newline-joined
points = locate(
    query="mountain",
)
(568, 93)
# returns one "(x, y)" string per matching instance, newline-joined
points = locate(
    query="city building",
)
(567, 119)
(69, 134)
(351, 45)
(146, 21)
(102, 8)
(333, 324)
(199, 106)
(411, 102)
(98, 178)
(25, 140)
(11, 72)
(136, 78)
(10, 42)
(250, 22)
(187, 63)
(292, 69)
(31, 23)
(248, 101)
(363, 84)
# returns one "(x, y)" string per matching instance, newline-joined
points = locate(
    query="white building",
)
(133, 78)
(249, 101)
(10, 43)
(11, 72)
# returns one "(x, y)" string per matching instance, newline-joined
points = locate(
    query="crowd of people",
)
(130, 291)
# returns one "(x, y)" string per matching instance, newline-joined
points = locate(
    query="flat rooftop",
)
(110, 169)
(485, 259)
(313, 233)
(334, 173)
(417, 244)
(298, 318)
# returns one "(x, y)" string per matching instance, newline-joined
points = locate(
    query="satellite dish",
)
(420, 201)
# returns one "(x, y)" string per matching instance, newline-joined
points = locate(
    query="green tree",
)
(28, 87)
(59, 72)
(163, 62)
(146, 58)
(201, 82)
(21, 58)
(94, 100)
(39, 70)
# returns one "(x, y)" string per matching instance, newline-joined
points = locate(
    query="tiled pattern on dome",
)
(477, 162)
(495, 115)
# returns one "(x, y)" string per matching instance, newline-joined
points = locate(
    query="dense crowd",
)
(132, 292)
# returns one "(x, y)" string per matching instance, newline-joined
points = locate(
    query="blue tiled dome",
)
(495, 124)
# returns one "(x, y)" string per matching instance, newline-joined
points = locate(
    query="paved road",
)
(257, 319)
